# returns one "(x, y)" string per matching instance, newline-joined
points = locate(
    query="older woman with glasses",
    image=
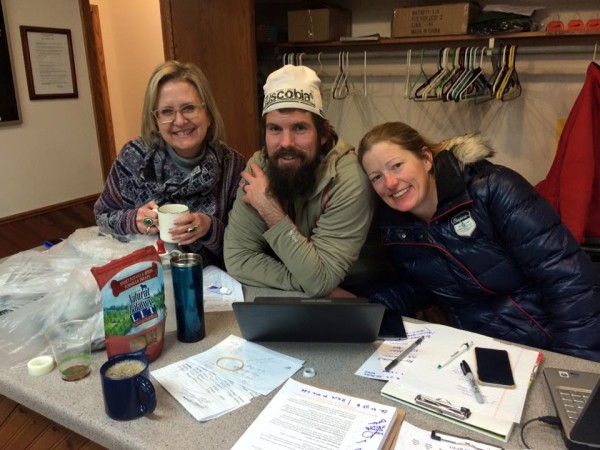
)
(179, 158)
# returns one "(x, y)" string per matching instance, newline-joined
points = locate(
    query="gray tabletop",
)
(79, 406)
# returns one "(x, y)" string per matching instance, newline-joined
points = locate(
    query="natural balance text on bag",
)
(133, 299)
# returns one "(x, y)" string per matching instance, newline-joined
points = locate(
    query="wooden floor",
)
(23, 429)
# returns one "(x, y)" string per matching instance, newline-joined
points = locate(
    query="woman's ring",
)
(149, 222)
(192, 228)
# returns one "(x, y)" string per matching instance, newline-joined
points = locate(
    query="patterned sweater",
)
(141, 174)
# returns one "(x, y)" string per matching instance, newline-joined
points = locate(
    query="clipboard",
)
(486, 424)
(443, 407)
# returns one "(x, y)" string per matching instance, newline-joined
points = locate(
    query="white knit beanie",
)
(293, 87)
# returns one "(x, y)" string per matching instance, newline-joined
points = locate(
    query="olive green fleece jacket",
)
(315, 251)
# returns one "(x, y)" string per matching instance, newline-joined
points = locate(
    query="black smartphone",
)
(493, 367)
(392, 326)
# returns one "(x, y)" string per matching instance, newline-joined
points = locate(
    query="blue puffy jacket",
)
(496, 257)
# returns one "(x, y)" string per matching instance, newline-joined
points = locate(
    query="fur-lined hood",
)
(467, 149)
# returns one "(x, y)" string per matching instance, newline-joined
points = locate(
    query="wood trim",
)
(48, 209)
(100, 100)
(30, 229)
(167, 29)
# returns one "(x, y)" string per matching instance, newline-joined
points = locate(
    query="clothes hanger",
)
(512, 89)
(436, 90)
(470, 77)
(421, 78)
(340, 88)
(468, 67)
(501, 71)
(505, 77)
(365, 75)
(320, 72)
(446, 85)
(427, 92)
(407, 79)
(478, 85)
(418, 92)
(486, 94)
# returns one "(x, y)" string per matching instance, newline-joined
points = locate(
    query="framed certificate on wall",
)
(9, 104)
(49, 62)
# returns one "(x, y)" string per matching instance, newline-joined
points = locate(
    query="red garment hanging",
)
(572, 185)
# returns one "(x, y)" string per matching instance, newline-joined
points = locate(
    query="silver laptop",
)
(287, 319)
(576, 397)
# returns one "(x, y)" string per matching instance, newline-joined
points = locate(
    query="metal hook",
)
(365, 75)
(320, 64)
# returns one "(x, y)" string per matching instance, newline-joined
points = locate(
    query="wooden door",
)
(218, 36)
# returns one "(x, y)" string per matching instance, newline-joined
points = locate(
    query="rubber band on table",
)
(229, 363)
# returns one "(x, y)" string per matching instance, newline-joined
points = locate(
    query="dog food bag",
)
(133, 300)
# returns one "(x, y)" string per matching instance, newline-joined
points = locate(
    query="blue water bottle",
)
(186, 270)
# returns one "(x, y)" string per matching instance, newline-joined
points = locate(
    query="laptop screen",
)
(308, 320)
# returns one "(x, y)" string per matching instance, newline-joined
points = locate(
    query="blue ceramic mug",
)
(126, 387)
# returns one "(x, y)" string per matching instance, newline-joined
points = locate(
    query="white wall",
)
(133, 47)
(523, 131)
(52, 156)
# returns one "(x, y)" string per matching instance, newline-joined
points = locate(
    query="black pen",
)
(467, 372)
(402, 355)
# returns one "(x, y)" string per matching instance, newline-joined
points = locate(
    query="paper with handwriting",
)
(388, 351)
(225, 377)
(215, 301)
(305, 417)
(422, 377)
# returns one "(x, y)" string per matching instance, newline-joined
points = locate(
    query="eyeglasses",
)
(168, 115)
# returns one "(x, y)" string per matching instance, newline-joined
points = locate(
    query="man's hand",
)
(339, 292)
(256, 188)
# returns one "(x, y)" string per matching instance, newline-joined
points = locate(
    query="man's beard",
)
(288, 183)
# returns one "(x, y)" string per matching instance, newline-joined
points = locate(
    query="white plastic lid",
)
(40, 365)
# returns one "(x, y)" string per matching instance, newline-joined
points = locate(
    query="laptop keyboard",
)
(573, 400)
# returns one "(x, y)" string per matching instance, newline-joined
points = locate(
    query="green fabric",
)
(315, 254)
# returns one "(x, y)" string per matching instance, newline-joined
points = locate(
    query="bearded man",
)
(304, 206)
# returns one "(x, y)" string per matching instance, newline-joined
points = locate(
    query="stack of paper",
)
(419, 375)
(225, 377)
(305, 417)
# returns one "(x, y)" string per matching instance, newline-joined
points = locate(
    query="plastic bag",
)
(41, 288)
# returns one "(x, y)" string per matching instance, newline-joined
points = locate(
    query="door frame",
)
(99, 89)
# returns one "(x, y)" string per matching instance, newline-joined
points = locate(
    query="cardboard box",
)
(319, 25)
(434, 20)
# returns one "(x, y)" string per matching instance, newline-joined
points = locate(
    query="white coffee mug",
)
(166, 215)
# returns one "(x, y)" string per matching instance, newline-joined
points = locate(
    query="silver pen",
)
(400, 357)
(467, 371)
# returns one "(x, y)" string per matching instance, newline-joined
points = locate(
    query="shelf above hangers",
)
(532, 38)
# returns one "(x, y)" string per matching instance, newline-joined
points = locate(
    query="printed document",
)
(225, 377)
(303, 417)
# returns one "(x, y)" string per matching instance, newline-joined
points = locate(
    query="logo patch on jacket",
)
(463, 223)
